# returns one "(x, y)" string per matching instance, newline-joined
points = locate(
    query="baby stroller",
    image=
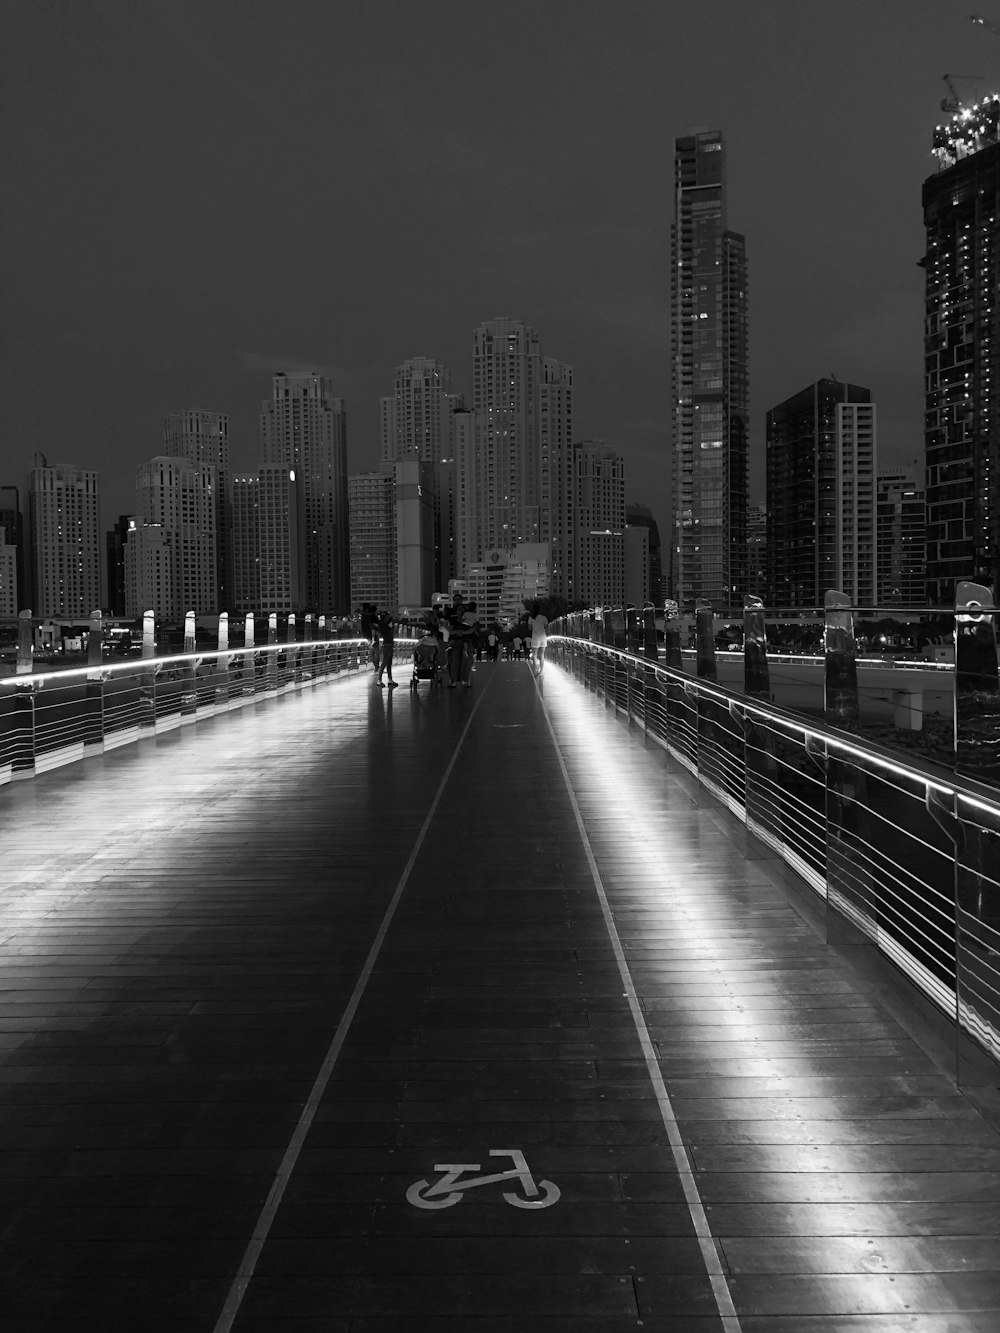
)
(428, 662)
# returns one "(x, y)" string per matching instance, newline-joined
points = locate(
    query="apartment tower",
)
(66, 544)
(961, 206)
(303, 443)
(203, 438)
(710, 382)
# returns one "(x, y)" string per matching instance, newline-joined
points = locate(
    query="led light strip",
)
(696, 1209)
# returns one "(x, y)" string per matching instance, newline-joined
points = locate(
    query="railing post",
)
(147, 674)
(704, 620)
(650, 648)
(271, 656)
(977, 687)
(223, 664)
(93, 731)
(25, 644)
(840, 683)
(189, 671)
(248, 674)
(672, 636)
(756, 678)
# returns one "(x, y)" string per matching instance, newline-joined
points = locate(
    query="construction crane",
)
(952, 102)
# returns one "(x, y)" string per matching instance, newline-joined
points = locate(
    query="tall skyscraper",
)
(373, 538)
(114, 549)
(599, 523)
(417, 421)
(12, 521)
(962, 353)
(279, 551)
(508, 480)
(901, 537)
(246, 543)
(64, 519)
(710, 382)
(641, 516)
(8, 577)
(203, 437)
(416, 417)
(821, 457)
(303, 431)
(175, 518)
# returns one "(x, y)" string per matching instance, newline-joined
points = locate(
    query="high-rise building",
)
(417, 421)
(510, 477)
(414, 504)
(901, 535)
(599, 523)
(371, 497)
(64, 520)
(246, 543)
(279, 550)
(303, 432)
(12, 521)
(962, 353)
(114, 551)
(641, 516)
(710, 382)
(203, 437)
(636, 565)
(416, 417)
(821, 457)
(8, 577)
(177, 498)
(757, 552)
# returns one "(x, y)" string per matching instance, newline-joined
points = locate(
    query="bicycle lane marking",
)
(682, 1161)
(268, 1212)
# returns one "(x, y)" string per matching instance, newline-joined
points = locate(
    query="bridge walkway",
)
(260, 977)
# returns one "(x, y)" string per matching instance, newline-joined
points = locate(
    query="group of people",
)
(451, 642)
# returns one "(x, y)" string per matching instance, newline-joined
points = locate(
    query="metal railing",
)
(48, 719)
(905, 855)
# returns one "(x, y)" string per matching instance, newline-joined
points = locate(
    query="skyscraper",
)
(246, 543)
(962, 353)
(203, 437)
(12, 521)
(599, 523)
(901, 537)
(64, 518)
(710, 382)
(303, 435)
(175, 518)
(511, 481)
(821, 455)
(373, 538)
(641, 516)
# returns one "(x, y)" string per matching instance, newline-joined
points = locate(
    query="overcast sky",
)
(196, 193)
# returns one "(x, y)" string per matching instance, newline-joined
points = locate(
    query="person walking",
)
(387, 631)
(539, 636)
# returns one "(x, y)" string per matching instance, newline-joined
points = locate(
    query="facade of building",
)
(8, 577)
(527, 577)
(821, 457)
(599, 524)
(414, 512)
(303, 433)
(178, 497)
(641, 516)
(279, 545)
(510, 471)
(12, 521)
(246, 543)
(637, 576)
(203, 438)
(373, 538)
(961, 206)
(901, 536)
(150, 571)
(64, 522)
(114, 554)
(710, 383)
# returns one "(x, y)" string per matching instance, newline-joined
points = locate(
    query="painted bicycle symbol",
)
(450, 1188)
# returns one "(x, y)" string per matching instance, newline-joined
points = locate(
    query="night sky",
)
(197, 193)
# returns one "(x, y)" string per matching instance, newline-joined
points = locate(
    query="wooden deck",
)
(261, 977)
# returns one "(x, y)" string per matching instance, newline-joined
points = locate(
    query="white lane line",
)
(692, 1195)
(269, 1211)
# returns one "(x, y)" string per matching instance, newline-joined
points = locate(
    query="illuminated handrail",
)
(904, 854)
(51, 718)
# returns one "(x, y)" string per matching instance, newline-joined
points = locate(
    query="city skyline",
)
(152, 259)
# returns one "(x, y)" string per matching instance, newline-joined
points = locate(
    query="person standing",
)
(539, 636)
(387, 631)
